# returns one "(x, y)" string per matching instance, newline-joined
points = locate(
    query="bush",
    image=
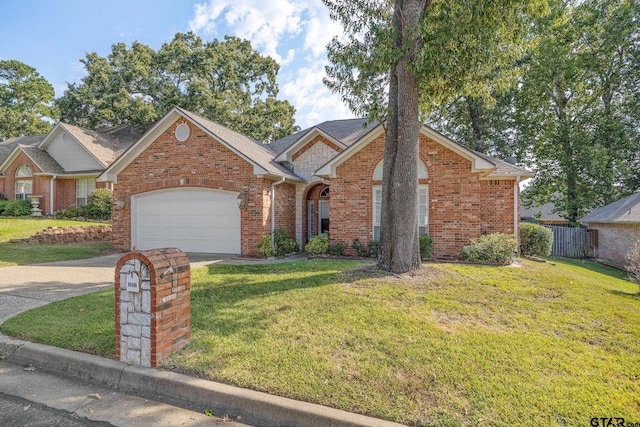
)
(264, 246)
(17, 208)
(72, 212)
(99, 205)
(284, 244)
(2, 197)
(426, 247)
(318, 245)
(490, 248)
(360, 249)
(633, 264)
(337, 249)
(535, 240)
(374, 247)
(3, 205)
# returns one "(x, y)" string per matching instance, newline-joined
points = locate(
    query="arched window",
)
(23, 183)
(423, 200)
(324, 192)
(24, 171)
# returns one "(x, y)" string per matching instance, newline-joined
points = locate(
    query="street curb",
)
(253, 407)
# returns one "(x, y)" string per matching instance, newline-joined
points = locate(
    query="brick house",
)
(60, 167)
(618, 226)
(196, 185)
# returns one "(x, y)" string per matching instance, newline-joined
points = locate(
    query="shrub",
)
(426, 247)
(17, 208)
(633, 264)
(337, 249)
(2, 197)
(318, 245)
(3, 205)
(535, 240)
(374, 247)
(360, 249)
(264, 246)
(72, 212)
(99, 205)
(490, 248)
(283, 243)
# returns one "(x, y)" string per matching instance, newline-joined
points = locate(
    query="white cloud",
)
(293, 32)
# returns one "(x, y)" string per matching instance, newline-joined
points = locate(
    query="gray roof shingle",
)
(252, 149)
(106, 143)
(626, 211)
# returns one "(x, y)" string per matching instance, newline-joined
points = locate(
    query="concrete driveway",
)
(29, 286)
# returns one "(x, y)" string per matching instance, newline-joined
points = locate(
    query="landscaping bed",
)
(452, 344)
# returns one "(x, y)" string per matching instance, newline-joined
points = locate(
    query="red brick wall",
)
(9, 187)
(285, 208)
(312, 193)
(65, 193)
(457, 199)
(497, 209)
(200, 161)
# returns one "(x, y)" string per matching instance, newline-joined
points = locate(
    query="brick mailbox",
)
(153, 305)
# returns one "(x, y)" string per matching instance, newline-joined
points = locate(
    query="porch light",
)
(242, 200)
(120, 202)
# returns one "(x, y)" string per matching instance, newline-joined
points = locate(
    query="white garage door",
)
(191, 219)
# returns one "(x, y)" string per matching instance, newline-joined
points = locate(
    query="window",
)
(423, 210)
(324, 192)
(84, 187)
(23, 187)
(423, 200)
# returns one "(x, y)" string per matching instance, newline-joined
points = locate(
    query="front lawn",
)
(451, 345)
(27, 253)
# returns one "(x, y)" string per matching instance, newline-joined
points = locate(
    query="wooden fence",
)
(572, 242)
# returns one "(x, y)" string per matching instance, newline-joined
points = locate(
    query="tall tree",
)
(26, 100)
(577, 108)
(420, 54)
(227, 81)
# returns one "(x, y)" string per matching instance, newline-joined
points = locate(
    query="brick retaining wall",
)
(71, 234)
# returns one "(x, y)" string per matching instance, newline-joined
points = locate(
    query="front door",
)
(323, 216)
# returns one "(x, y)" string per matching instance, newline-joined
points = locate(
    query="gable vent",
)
(65, 136)
(182, 132)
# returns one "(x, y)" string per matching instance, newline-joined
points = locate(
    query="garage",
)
(191, 219)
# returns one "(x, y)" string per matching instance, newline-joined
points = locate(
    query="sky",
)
(53, 35)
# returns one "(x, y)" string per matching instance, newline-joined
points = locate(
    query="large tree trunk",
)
(399, 240)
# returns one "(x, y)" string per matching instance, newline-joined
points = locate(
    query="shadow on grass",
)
(593, 266)
(225, 307)
(632, 295)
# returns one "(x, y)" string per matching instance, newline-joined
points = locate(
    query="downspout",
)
(273, 212)
(51, 194)
(516, 205)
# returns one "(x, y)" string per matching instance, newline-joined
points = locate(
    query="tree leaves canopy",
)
(226, 81)
(25, 101)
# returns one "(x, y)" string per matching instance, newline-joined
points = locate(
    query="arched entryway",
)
(316, 211)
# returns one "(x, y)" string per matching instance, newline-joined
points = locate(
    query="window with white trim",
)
(423, 210)
(23, 187)
(423, 200)
(84, 188)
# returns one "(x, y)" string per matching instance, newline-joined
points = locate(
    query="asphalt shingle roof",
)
(105, 143)
(626, 210)
(504, 168)
(346, 131)
(546, 213)
(249, 147)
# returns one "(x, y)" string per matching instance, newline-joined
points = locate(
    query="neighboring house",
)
(544, 214)
(618, 226)
(194, 184)
(60, 167)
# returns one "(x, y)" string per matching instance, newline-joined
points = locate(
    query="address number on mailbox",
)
(133, 282)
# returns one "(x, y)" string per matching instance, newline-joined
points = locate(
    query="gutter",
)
(273, 211)
(516, 219)
(51, 194)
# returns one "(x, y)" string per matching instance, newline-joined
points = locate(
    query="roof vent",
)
(510, 160)
(182, 132)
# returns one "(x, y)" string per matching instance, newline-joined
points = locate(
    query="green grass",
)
(18, 228)
(450, 345)
(27, 253)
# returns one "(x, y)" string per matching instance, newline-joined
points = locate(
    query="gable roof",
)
(542, 213)
(490, 167)
(10, 149)
(343, 133)
(624, 211)
(249, 149)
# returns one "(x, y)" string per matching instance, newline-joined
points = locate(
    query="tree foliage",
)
(227, 81)
(25, 100)
(400, 59)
